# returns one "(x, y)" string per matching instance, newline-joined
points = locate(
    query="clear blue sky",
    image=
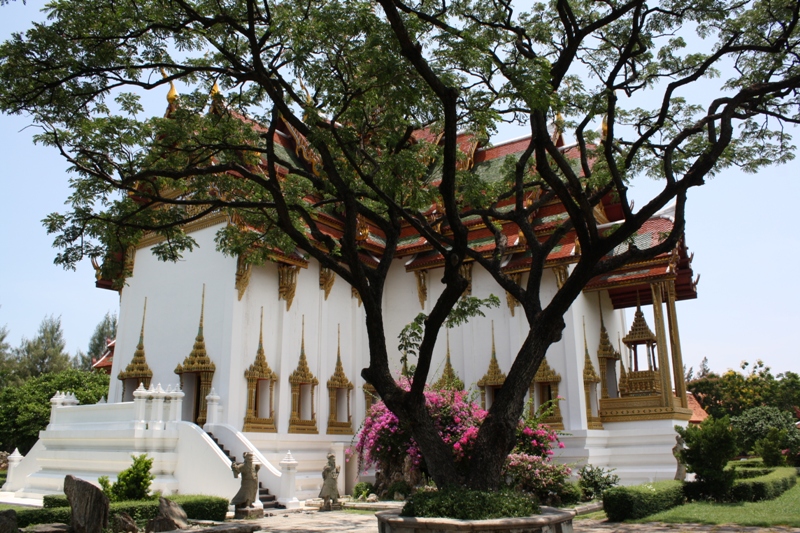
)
(739, 227)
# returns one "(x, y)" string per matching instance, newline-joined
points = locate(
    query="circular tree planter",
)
(550, 521)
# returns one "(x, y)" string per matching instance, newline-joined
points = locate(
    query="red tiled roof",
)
(698, 413)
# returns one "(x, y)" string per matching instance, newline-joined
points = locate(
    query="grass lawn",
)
(782, 511)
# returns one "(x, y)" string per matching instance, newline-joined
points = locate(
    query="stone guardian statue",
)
(330, 489)
(680, 445)
(248, 492)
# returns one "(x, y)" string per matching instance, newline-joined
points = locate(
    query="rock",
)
(123, 523)
(161, 523)
(89, 506)
(8, 521)
(372, 498)
(174, 512)
(248, 513)
(362, 498)
(48, 528)
(398, 497)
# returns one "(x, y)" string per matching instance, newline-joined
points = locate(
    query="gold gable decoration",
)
(449, 380)
(326, 280)
(287, 283)
(198, 362)
(510, 300)
(546, 381)
(494, 377)
(302, 376)
(260, 371)
(138, 368)
(243, 271)
(339, 382)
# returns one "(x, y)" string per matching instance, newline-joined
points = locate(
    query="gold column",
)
(675, 342)
(661, 344)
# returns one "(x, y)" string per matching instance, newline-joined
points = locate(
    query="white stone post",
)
(212, 410)
(13, 461)
(139, 406)
(70, 400)
(159, 395)
(176, 405)
(288, 497)
(56, 401)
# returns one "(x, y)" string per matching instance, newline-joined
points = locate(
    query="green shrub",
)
(465, 504)
(750, 473)
(53, 501)
(770, 447)
(200, 507)
(132, 483)
(593, 481)
(767, 487)
(568, 494)
(3, 474)
(398, 486)
(623, 503)
(709, 448)
(28, 517)
(363, 488)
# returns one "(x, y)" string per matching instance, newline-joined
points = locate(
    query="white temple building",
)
(268, 359)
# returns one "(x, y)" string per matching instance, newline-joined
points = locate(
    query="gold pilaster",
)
(590, 381)
(510, 300)
(675, 342)
(243, 270)
(287, 283)
(302, 376)
(661, 343)
(260, 371)
(339, 382)
(326, 279)
(422, 286)
(466, 272)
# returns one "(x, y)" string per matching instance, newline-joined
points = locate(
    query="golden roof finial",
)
(559, 122)
(202, 311)
(302, 374)
(261, 332)
(449, 379)
(494, 353)
(303, 338)
(339, 342)
(141, 332)
(604, 126)
(215, 90)
(339, 378)
(138, 367)
(589, 373)
(494, 376)
(640, 332)
(172, 95)
(198, 360)
(605, 350)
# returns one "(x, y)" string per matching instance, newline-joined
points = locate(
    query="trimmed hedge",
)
(623, 503)
(465, 504)
(767, 487)
(750, 473)
(197, 507)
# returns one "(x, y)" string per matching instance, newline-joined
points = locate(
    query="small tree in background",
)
(709, 448)
(25, 410)
(756, 424)
(103, 332)
(45, 353)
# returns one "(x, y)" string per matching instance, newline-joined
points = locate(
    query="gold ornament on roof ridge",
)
(339, 378)
(198, 360)
(302, 374)
(138, 367)
(449, 380)
(326, 279)
(494, 376)
(172, 95)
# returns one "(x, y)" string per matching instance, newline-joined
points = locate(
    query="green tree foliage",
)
(44, 353)
(133, 483)
(709, 448)
(7, 362)
(770, 448)
(380, 91)
(755, 424)
(103, 332)
(25, 409)
(732, 393)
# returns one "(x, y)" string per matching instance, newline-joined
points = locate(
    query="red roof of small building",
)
(698, 413)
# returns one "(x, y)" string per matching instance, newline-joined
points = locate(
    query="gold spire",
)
(604, 126)
(260, 368)
(589, 373)
(449, 380)
(605, 350)
(494, 376)
(339, 379)
(138, 367)
(215, 90)
(198, 360)
(302, 374)
(640, 332)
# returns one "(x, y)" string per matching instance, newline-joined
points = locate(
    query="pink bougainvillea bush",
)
(384, 444)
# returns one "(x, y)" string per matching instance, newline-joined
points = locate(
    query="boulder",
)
(88, 504)
(123, 523)
(372, 498)
(8, 521)
(174, 512)
(161, 523)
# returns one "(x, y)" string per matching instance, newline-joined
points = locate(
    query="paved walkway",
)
(316, 522)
